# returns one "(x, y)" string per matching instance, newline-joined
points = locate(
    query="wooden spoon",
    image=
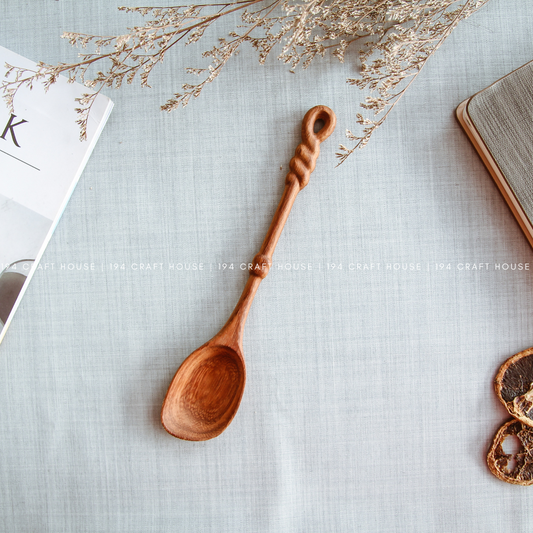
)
(206, 391)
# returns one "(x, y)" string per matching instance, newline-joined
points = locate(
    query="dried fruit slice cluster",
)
(514, 388)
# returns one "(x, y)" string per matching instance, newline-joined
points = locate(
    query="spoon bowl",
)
(206, 391)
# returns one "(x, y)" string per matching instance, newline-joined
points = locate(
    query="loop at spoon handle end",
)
(300, 168)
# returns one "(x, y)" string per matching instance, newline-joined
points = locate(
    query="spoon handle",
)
(301, 166)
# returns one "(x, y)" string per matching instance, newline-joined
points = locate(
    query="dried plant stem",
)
(412, 70)
(395, 39)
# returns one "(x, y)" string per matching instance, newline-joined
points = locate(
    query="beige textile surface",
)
(369, 403)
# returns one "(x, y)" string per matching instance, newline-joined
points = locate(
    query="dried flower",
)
(394, 38)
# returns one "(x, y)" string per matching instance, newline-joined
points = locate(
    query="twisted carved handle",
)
(306, 154)
(301, 166)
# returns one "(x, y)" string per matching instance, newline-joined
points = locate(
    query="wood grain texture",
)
(207, 389)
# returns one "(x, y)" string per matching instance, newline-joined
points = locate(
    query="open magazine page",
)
(41, 160)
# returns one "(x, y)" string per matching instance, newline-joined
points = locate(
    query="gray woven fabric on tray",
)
(503, 115)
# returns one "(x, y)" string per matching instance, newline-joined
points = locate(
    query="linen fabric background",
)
(369, 403)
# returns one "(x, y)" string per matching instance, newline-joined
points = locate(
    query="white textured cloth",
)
(369, 403)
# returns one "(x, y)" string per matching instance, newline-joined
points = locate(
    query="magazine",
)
(41, 159)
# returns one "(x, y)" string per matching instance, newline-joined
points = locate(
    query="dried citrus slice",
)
(517, 465)
(514, 386)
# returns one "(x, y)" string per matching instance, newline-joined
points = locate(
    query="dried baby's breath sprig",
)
(394, 38)
(411, 34)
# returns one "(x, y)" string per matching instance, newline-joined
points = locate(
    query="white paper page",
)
(39, 172)
(41, 160)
